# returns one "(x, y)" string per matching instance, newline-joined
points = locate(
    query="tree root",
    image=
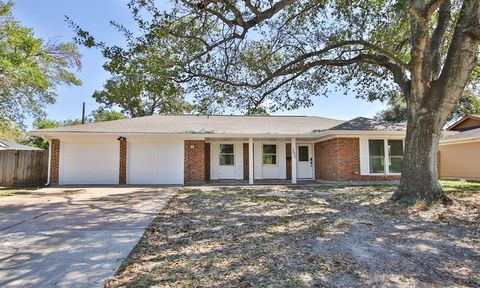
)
(411, 198)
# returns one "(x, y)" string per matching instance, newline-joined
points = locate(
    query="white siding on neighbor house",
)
(92, 162)
(155, 161)
(233, 172)
(277, 171)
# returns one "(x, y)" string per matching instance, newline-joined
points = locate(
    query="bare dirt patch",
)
(312, 236)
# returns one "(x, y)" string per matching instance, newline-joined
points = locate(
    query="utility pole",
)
(83, 113)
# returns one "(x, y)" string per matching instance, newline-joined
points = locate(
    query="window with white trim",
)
(395, 156)
(385, 156)
(376, 156)
(269, 154)
(227, 156)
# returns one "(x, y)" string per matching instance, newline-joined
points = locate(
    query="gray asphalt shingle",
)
(192, 124)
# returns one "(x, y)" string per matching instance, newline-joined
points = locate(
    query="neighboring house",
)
(196, 149)
(459, 153)
(6, 145)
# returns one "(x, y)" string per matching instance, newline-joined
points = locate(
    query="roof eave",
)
(459, 141)
(458, 122)
(53, 134)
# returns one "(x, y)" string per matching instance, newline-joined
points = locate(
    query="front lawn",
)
(312, 236)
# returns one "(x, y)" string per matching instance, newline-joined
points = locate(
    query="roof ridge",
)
(234, 115)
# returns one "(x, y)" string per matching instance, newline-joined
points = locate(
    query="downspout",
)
(49, 161)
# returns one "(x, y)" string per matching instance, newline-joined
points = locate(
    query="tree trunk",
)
(419, 180)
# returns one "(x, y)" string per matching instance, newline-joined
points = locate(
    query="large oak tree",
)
(281, 53)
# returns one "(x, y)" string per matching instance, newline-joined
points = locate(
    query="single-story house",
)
(196, 149)
(459, 151)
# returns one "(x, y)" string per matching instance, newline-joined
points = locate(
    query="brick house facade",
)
(338, 159)
(195, 161)
(186, 150)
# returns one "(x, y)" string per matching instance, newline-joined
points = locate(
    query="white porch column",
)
(294, 161)
(250, 161)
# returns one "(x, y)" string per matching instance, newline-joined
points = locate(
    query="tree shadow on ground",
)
(232, 237)
(71, 238)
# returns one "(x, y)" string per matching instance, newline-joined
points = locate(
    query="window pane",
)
(395, 147)
(270, 149)
(226, 148)
(376, 148)
(226, 160)
(270, 159)
(302, 153)
(396, 164)
(376, 165)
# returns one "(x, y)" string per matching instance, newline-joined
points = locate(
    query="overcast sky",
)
(47, 18)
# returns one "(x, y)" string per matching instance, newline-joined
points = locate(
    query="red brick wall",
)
(194, 162)
(122, 177)
(288, 150)
(246, 167)
(338, 159)
(207, 161)
(55, 161)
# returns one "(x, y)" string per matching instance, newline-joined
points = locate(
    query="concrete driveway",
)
(72, 237)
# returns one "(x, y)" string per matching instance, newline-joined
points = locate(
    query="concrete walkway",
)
(72, 237)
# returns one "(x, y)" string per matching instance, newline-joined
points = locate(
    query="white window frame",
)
(276, 154)
(386, 156)
(220, 154)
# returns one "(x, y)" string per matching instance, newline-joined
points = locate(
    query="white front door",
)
(304, 161)
(226, 165)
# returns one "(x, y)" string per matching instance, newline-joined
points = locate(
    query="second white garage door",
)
(155, 162)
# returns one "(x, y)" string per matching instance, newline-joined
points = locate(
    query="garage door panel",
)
(89, 163)
(155, 162)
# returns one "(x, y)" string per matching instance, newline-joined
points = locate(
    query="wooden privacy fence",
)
(23, 167)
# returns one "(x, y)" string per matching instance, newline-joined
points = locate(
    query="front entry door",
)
(304, 161)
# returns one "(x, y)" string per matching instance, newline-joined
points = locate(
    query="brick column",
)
(54, 161)
(245, 162)
(288, 150)
(207, 161)
(122, 176)
(194, 161)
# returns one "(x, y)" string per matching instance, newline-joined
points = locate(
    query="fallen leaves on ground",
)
(314, 236)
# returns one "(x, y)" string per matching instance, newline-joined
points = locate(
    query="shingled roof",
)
(367, 124)
(210, 125)
(7, 145)
(473, 134)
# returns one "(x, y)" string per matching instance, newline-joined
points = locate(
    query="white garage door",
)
(89, 162)
(155, 162)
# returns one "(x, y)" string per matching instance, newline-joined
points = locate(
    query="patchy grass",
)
(315, 236)
(16, 191)
(460, 188)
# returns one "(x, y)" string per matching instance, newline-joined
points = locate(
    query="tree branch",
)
(438, 36)
(379, 60)
(432, 7)
(462, 55)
